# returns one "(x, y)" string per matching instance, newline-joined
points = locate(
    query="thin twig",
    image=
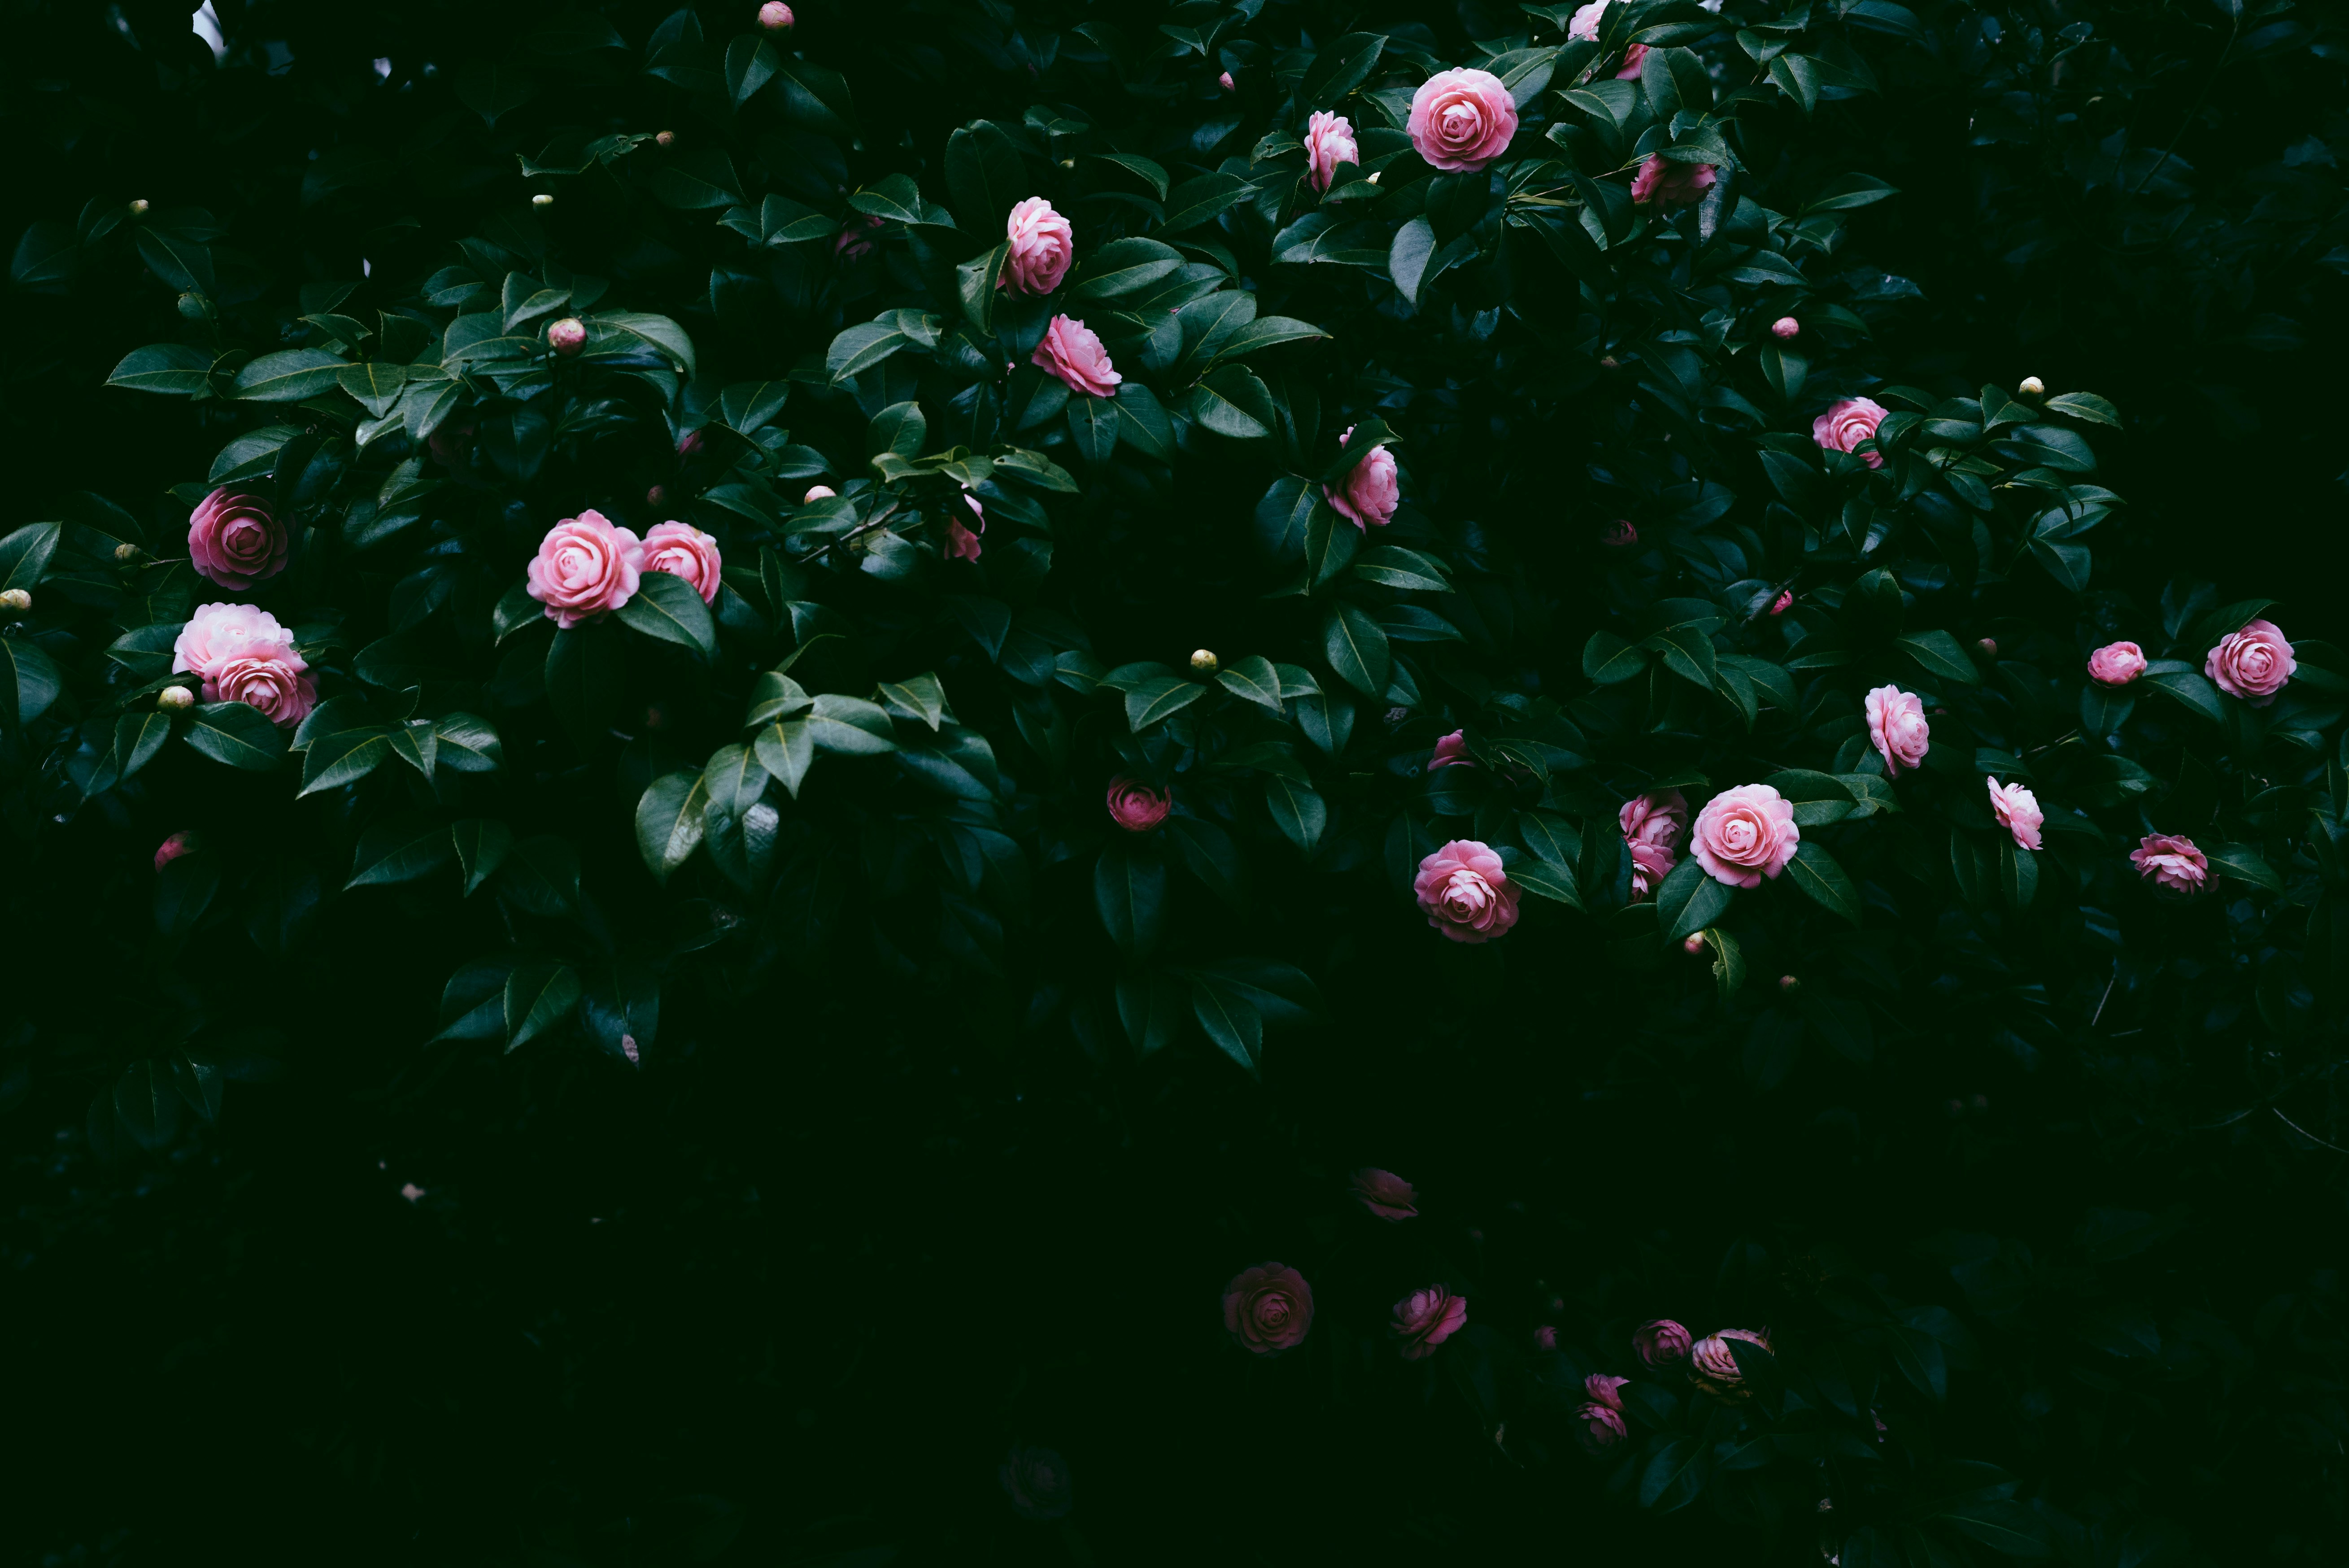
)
(2108, 992)
(2304, 1132)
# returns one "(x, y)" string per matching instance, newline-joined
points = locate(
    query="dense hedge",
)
(736, 742)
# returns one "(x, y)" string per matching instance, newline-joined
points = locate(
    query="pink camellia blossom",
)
(1042, 246)
(2171, 862)
(2017, 810)
(1546, 1337)
(1136, 807)
(775, 17)
(855, 241)
(173, 848)
(1329, 141)
(1897, 728)
(1635, 60)
(235, 541)
(1037, 1481)
(1715, 1365)
(1450, 751)
(1672, 184)
(1745, 834)
(1782, 602)
(1653, 825)
(1660, 1342)
(268, 682)
(567, 336)
(1226, 82)
(586, 566)
(1269, 1308)
(1426, 1318)
(1385, 1194)
(2252, 664)
(1786, 326)
(216, 634)
(1462, 119)
(681, 550)
(816, 494)
(1622, 534)
(1072, 352)
(1465, 893)
(1847, 424)
(1601, 1389)
(1602, 1426)
(1583, 26)
(2116, 664)
(1371, 492)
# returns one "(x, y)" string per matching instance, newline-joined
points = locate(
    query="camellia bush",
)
(963, 671)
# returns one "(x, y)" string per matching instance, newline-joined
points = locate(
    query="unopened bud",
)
(567, 337)
(1785, 327)
(1788, 983)
(1204, 661)
(191, 307)
(775, 17)
(666, 139)
(2033, 388)
(173, 848)
(141, 208)
(1693, 943)
(689, 444)
(1068, 163)
(1782, 602)
(14, 603)
(126, 553)
(656, 497)
(1226, 82)
(175, 699)
(1610, 362)
(816, 494)
(542, 199)
(1988, 646)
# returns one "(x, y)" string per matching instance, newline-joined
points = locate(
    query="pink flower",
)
(853, 244)
(266, 681)
(410, 1190)
(1602, 1389)
(1785, 601)
(1370, 493)
(1426, 1318)
(1075, 354)
(2017, 810)
(2252, 664)
(235, 541)
(1226, 82)
(683, 550)
(1450, 751)
(216, 634)
(1269, 1308)
(1847, 424)
(1661, 1343)
(816, 494)
(2116, 664)
(1672, 184)
(2171, 862)
(962, 544)
(1602, 1426)
(1652, 826)
(173, 848)
(775, 17)
(1715, 1365)
(1897, 728)
(1042, 246)
(567, 336)
(1462, 119)
(1329, 141)
(1546, 1337)
(1385, 1194)
(1465, 893)
(1037, 1481)
(1583, 25)
(1634, 58)
(1136, 808)
(1745, 834)
(585, 566)
(1622, 534)
(1785, 327)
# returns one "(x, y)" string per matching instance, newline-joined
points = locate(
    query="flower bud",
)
(1785, 602)
(1204, 661)
(567, 337)
(175, 699)
(816, 494)
(775, 17)
(1226, 82)
(141, 208)
(1610, 362)
(126, 553)
(1693, 943)
(14, 603)
(1785, 327)
(191, 307)
(1622, 534)
(1988, 646)
(173, 848)
(2033, 388)
(666, 139)
(1788, 983)
(542, 199)
(656, 498)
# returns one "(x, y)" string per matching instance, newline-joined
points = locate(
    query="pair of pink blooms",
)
(235, 539)
(1602, 1417)
(2253, 663)
(244, 656)
(1583, 27)
(1371, 492)
(1662, 1343)
(588, 566)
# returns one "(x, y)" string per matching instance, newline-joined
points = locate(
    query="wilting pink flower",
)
(1042, 246)
(2252, 664)
(1269, 1308)
(1465, 893)
(1661, 1343)
(567, 336)
(1370, 490)
(268, 682)
(1785, 327)
(2170, 860)
(1546, 1337)
(217, 634)
(1745, 834)
(1136, 808)
(1602, 1426)
(1385, 1194)
(1037, 1481)
(235, 539)
(173, 848)
(681, 550)
(854, 243)
(1462, 119)
(1652, 826)
(1672, 184)
(1782, 602)
(1450, 751)
(816, 494)
(585, 566)
(2116, 664)
(1897, 728)
(1329, 141)
(775, 17)
(1847, 424)
(2017, 810)
(1715, 1365)
(1622, 534)
(1072, 352)
(1426, 1318)
(1601, 1389)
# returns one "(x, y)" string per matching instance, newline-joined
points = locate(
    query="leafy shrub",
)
(1079, 660)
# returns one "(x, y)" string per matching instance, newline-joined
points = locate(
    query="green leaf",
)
(1390, 566)
(1689, 900)
(1093, 427)
(376, 386)
(2002, 1524)
(695, 181)
(1130, 891)
(147, 1103)
(2085, 406)
(1609, 660)
(670, 821)
(1123, 266)
(25, 553)
(787, 751)
(894, 197)
(860, 348)
(1550, 882)
(1194, 202)
(977, 282)
(986, 177)
(1236, 1026)
(1161, 699)
(538, 997)
(174, 370)
(137, 736)
(1938, 654)
(1847, 192)
(468, 744)
(1339, 67)
(1818, 873)
(2176, 678)
(332, 760)
(2245, 863)
(1143, 424)
(750, 62)
(1357, 649)
(1252, 678)
(289, 375)
(542, 876)
(1299, 812)
(850, 726)
(400, 849)
(1151, 174)
(658, 331)
(1230, 401)
(1266, 332)
(2018, 874)
(668, 607)
(237, 733)
(483, 844)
